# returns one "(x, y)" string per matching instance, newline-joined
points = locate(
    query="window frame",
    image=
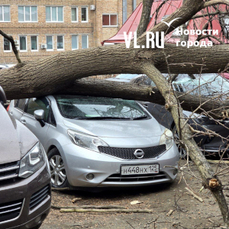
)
(77, 41)
(30, 14)
(51, 11)
(59, 49)
(3, 13)
(4, 45)
(26, 43)
(77, 14)
(86, 7)
(107, 14)
(52, 43)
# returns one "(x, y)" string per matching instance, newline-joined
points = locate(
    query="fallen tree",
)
(56, 73)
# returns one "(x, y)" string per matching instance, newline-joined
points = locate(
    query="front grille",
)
(9, 171)
(135, 178)
(39, 196)
(128, 153)
(10, 210)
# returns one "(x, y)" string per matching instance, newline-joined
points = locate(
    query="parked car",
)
(25, 194)
(99, 142)
(208, 84)
(133, 78)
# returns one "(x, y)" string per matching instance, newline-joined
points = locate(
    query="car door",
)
(29, 120)
(17, 108)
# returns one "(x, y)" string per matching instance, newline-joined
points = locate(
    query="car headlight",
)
(86, 141)
(167, 139)
(32, 161)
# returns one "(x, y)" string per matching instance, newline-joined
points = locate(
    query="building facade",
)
(45, 27)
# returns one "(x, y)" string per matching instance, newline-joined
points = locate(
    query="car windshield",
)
(86, 107)
(204, 84)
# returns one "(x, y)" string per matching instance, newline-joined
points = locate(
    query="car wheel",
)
(181, 150)
(58, 172)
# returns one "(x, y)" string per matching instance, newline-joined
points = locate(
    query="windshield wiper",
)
(140, 117)
(101, 118)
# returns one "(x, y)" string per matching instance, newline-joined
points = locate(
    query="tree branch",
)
(11, 40)
(184, 131)
(145, 17)
(215, 2)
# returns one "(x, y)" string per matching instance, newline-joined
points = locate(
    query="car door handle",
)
(23, 121)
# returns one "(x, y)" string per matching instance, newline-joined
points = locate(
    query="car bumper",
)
(25, 203)
(105, 169)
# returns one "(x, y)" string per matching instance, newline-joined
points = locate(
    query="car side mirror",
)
(2, 95)
(39, 116)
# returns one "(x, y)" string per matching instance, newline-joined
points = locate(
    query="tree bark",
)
(145, 17)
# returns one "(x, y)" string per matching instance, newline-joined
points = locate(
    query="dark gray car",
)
(25, 196)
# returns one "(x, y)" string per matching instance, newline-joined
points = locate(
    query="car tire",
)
(181, 150)
(58, 172)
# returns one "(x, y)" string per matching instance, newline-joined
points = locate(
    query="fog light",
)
(90, 176)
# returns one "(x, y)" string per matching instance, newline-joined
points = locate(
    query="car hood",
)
(121, 130)
(15, 139)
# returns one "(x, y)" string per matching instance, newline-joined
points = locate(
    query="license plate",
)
(139, 169)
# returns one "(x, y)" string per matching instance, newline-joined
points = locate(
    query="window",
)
(4, 13)
(74, 14)
(23, 43)
(49, 42)
(20, 104)
(34, 46)
(7, 45)
(84, 14)
(60, 42)
(54, 13)
(74, 42)
(110, 20)
(27, 13)
(134, 5)
(124, 11)
(84, 41)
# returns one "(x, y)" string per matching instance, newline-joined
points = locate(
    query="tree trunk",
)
(106, 88)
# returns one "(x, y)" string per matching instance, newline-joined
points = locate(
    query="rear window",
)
(85, 107)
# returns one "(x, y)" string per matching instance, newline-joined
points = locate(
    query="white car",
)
(99, 142)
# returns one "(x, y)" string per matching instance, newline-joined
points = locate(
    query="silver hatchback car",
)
(99, 142)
